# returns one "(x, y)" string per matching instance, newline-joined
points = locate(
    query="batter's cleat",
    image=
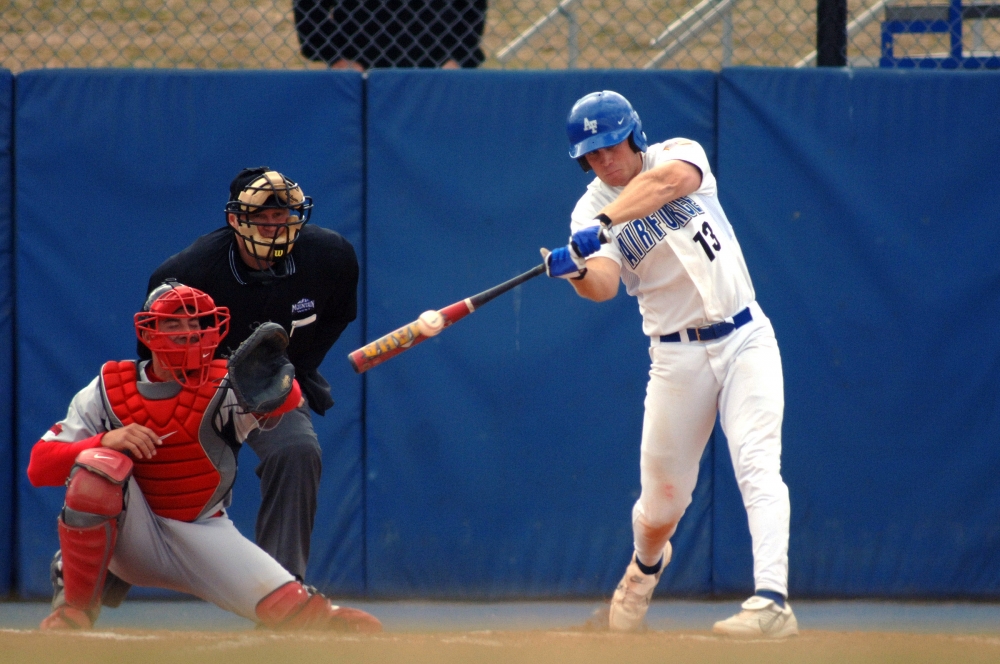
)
(66, 617)
(760, 618)
(631, 599)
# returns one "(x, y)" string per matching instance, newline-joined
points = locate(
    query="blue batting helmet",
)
(600, 120)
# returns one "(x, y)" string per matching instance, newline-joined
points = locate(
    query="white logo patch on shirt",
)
(303, 305)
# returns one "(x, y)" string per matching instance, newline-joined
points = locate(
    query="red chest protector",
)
(180, 479)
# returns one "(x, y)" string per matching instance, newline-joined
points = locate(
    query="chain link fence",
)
(504, 34)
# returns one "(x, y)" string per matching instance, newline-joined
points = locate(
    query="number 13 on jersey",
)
(706, 238)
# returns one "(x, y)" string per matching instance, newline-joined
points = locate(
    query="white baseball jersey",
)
(682, 262)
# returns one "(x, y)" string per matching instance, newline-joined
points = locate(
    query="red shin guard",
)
(293, 607)
(88, 525)
(86, 553)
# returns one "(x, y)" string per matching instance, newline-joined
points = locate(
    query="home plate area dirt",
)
(487, 647)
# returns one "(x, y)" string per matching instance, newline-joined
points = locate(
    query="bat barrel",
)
(409, 335)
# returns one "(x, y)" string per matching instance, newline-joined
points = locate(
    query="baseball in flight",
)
(431, 322)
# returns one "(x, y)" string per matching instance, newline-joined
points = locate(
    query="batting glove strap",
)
(565, 263)
(587, 241)
(604, 220)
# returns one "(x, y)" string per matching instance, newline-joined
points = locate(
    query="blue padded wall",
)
(118, 169)
(7, 494)
(866, 203)
(503, 454)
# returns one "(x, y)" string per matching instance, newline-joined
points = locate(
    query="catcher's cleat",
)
(66, 617)
(761, 618)
(346, 619)
(631, 599)
(297, 607)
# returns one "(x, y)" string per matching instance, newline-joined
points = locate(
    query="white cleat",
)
(631, 599)
(760, 618)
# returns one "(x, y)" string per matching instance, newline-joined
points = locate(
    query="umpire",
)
(267, 264)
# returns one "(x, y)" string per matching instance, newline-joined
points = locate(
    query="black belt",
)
(713, 331)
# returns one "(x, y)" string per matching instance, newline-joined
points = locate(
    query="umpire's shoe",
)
(761, 618)
(631, 599)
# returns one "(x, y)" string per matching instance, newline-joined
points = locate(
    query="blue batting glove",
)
(564, 263)
(587, 241)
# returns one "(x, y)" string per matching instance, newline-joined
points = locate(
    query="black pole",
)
(831, 33)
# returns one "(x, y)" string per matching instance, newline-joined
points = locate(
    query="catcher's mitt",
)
(260, 372)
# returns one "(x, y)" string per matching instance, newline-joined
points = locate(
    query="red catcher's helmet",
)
(163, 326)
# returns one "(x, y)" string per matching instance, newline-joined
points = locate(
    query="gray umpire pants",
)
(289, 471)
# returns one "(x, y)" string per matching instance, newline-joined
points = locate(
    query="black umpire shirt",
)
(314, 303)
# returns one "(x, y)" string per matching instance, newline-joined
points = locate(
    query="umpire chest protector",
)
(195, 467)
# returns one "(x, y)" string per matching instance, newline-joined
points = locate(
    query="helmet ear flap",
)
(637, 139)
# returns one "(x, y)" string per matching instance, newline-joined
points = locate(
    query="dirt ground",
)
(488, 647)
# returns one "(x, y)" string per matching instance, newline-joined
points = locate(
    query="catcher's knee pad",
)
(88, 526)
(293, 607)
(94, 489)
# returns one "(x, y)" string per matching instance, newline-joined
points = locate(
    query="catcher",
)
(147, 452)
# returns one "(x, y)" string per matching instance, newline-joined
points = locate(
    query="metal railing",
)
(691, 26)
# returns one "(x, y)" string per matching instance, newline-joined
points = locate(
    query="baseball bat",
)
(409, 335)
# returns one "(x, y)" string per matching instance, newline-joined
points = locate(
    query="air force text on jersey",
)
(638, 237)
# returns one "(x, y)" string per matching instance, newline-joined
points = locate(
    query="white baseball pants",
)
(739, 377)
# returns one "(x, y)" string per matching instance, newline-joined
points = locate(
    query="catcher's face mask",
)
(182, 327)
(270, 211)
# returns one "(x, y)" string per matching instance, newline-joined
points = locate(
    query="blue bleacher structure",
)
(943, 19)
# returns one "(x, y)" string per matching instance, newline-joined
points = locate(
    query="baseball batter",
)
(712, 348)
(147, 452)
